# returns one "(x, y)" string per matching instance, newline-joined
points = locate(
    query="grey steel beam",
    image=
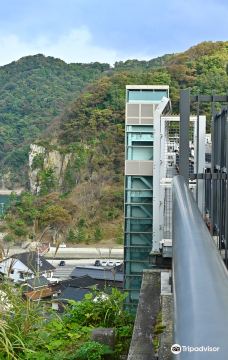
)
(184, 133)
(209, 98)
(200, 281)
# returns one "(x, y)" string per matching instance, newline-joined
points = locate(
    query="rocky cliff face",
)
(51, 159)
(33, 172)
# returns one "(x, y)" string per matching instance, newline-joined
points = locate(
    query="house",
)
(36, 283)
(71, 289)
(70, 293)
(24, 266)
(80, 282)
(99, 273)
(40, 294)
(77, 287)
(38, 288)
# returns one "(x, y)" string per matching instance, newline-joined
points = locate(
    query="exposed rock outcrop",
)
(33, 173)
(52, 159)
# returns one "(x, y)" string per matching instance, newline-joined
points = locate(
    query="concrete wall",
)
(155, 297)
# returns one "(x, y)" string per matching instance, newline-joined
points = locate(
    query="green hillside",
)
(33, 91)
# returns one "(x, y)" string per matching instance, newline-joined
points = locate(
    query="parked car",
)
(62, 263)
(101, 263)
(104, 262)
(110, 263)
(97, 263)
(118, 263)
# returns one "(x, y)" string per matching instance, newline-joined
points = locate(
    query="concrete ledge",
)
(141, 347)
(166, 338)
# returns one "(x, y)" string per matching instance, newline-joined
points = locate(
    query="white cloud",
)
(77, 46)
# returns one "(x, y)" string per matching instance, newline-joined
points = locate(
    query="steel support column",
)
(184, 133)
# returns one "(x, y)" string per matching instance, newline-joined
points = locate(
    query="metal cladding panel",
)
(139, 121)
(147, 121)
(139, 167)
(146, 168)
(147, 110)
(133, 110)
(132, 121)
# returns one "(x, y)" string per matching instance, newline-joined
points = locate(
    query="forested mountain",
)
(33, 91)
(91, 129)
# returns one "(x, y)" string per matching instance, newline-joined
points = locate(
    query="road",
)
(63, 272)
(85, 253)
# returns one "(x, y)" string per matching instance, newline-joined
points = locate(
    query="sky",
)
(107, 30)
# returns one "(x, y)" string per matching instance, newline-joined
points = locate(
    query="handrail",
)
(200, 282)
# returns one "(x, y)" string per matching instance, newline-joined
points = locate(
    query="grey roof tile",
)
(97, 273)
(30, 259)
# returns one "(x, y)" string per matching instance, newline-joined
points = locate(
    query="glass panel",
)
(142, 182)
(135, 295)
(139, 211)
(146, 95)
(142, 256)
(139, 153)
(142, 143)
(138, 267)
(140, 138)
(143, 227)
(136, 197)
(146, 129)
(134, 282)
(140, 239)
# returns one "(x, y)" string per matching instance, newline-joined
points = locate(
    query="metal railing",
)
(200, 282)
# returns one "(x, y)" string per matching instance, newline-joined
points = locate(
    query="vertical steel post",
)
(197, 149)
(226, 182)
(184, 133)
(212, 163)
(201, 162)
(157, 208)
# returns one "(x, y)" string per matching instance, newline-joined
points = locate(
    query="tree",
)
(56, 219)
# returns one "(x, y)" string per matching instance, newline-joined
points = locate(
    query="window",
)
(146, 95)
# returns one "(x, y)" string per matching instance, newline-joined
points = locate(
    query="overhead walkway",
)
(200, 281)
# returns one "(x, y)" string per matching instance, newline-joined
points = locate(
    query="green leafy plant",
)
(29, 331)
(92, 350)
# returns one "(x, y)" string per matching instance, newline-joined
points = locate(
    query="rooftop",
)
(37, 282)
(71, 293)
(147, 87)
(98, 273)
(34, 261)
